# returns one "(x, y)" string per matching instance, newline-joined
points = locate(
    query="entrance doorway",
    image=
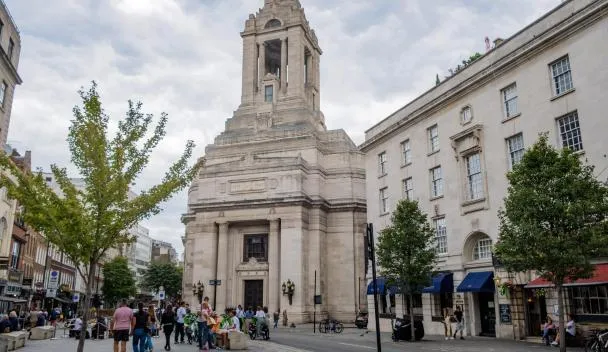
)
(537, 312)
(487, 314)
(254, 293)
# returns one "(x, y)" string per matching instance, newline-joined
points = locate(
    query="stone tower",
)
(280, 197)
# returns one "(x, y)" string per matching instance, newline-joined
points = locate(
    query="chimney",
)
(498, 41)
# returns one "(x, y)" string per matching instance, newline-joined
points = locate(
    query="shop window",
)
(440, 302)
(589, 300)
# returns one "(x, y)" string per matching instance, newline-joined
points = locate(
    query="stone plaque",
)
(248, 186)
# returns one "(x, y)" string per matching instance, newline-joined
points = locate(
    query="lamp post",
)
(198, 290)
(288, 289)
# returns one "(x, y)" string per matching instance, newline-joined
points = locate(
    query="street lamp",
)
(198, 290)
(288, 289)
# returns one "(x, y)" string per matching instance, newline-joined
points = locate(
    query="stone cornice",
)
(492, 65)
(334, 206)
(11, 68)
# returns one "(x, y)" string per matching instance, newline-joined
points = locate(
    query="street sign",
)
(51, 293)
(161, 295)
(76, 298)
(215, 282)
(53, 279)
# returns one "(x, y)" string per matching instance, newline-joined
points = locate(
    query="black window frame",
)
(247, 250)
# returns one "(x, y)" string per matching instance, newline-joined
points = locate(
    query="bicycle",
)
(598, 342)
(330, 325)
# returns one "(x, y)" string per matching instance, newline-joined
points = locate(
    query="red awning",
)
(600, 276)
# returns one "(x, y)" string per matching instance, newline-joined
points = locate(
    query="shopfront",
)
(479, 290)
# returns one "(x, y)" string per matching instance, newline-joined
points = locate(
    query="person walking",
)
(459, 315)
(167, 321)
(179, 326)
(139, 325)
(275, 318)
(121, 326)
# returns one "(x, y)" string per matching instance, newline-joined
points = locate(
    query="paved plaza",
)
(303, 339)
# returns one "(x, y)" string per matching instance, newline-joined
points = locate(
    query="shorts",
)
(121, 335)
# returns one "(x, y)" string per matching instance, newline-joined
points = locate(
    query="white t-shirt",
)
(260, 314)
(181, 313)
(78, 324)
(570, 328)
(237, 323)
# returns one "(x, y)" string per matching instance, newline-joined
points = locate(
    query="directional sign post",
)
(215, 284)
(161, 295)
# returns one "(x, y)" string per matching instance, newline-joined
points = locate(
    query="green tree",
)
(554, 218)
(120, 283)
(87, 221)
(406, 251)
(167, 275)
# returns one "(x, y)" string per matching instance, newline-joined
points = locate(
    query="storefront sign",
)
(53, 279)
(458, 300)
(27, 281)
(15, 276)
(505, 313)
(51, 293)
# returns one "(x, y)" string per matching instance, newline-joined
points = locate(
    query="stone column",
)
(274, 284)
(262, 66)
(284, 65)
(222, 265)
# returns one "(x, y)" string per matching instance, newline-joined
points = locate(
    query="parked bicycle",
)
(330, 325)
(598, 342)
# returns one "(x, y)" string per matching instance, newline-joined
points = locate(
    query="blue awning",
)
(442, 282)
(482, 281)
(381, 287)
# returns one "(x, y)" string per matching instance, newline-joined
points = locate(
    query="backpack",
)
(40, 321)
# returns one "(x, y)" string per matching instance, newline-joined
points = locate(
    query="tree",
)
(85, 222)
(120, 282)
(554, 218)
(406, 251)
(167, 275)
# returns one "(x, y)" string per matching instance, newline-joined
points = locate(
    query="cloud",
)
(183, 57)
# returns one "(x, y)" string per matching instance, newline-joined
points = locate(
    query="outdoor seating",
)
(42, 332)
(237, 341)
(14, 340)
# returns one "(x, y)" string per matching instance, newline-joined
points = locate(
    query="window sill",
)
(562, 94)
(464, 123)
(433, 152)
(406, 164)
(384, 214)
(473, 201)
(511, 117)
(383, 175)
(435, 198)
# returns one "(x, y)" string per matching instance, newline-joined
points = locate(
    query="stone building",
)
(280, 197)
(163, 252)
(10, 42)
(451, 147)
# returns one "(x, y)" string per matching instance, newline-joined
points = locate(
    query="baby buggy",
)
(402, 330)
(191, 326)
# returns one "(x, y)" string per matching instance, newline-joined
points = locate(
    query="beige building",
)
(10, 42)
(280, 197)
(451, 147)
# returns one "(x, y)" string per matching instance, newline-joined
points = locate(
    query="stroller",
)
(402, 330)
(191, 326)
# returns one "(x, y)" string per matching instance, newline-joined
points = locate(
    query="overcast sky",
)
(183, 57)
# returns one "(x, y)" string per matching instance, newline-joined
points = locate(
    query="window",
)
(589, 300)
(441, 235)
(11, 48)
(509, 98)
(408, 189)
(434, 138)
(384, 200)
(256, 246)
(2, 93)
(15, 251)
(562, 76)
(268, 94)
(436, 182)
(441, 302)
(466, 115)
(483, 249)
(570, 131)
(406, 152)
(474, 177)
(515, 146)
(382, 164)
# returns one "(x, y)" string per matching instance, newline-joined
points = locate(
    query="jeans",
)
(179, 330)
(276, 323)
(139, 340)
(168, 332)
(260, 324)
(149, 345)
(204, 335)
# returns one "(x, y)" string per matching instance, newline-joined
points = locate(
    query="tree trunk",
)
(87, 304)
(411, 308)
(562, 325)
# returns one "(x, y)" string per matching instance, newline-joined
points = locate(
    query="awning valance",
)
(442, 282)
(381, 287)
(600, 276)
(482, 281)
(12, 299)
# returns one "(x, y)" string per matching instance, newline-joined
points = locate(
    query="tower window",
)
(273, 23)
(268, 91)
